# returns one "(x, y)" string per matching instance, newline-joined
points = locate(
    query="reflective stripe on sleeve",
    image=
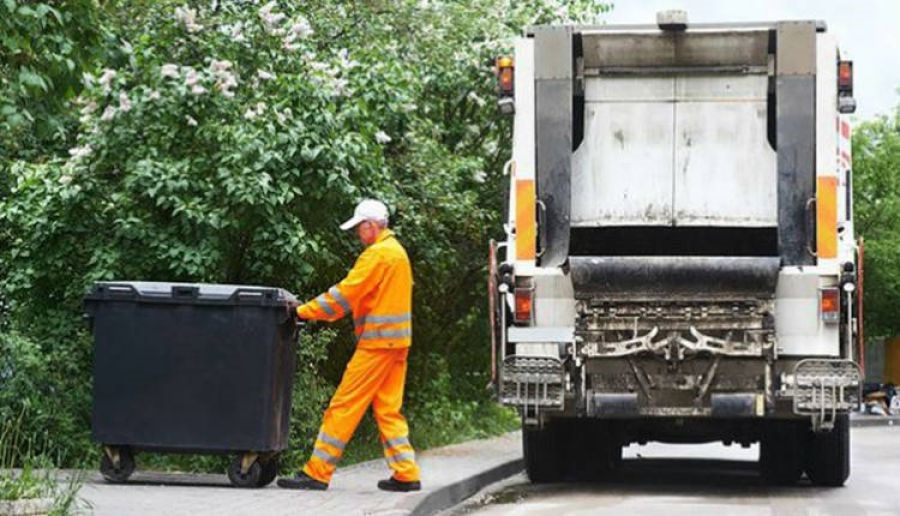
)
(325, 306)
(341, 300)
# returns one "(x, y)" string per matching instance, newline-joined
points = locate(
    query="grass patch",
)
(26, 473)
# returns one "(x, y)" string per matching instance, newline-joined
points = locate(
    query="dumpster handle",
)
(117, 289)
(253, 294)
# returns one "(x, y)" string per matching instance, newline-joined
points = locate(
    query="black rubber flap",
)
(152, 291)
(667, 278)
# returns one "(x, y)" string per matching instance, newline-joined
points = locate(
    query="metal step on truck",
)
(679, 262)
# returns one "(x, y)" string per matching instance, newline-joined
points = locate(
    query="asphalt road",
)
(709, 479)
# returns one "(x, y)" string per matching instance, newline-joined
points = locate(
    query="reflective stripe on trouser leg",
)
(398, 451)
(365, 372)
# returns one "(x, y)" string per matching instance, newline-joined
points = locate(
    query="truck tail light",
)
(505, 76)
(830, 305)
(524, 302)
(845, 77)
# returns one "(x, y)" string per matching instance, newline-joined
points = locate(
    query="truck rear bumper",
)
(707, 387)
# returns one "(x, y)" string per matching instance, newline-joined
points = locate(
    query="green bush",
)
(224, 142)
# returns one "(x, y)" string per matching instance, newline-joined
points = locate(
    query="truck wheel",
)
(829, 455)
(782, 450)
(269, 472)
(544, 451)
(117, 474)
(251, 478)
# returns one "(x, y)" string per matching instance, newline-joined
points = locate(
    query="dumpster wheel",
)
(269, 470)
(116, 464)
(247, 470)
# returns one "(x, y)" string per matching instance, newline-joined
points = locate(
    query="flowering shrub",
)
(225, 141)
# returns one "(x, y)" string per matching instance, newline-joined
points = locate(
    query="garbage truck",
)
(679, 261)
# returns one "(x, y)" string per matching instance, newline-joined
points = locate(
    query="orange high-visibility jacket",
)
(378, 291)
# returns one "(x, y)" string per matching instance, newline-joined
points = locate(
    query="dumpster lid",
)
(189, 292)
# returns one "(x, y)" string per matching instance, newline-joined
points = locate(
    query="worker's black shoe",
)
(302, 481)
(392, 484)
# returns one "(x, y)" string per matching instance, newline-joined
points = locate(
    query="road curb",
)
(452, 494)
(867, 421)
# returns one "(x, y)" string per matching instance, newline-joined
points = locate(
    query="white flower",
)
(219, 66)
(80, 152)
(153, 95)
(250, 114)
(87, 79)
(344, 56)
(301, 28)
(65, 179)
(340, 87)
(187, 17)
(283, 116)
(190, 77)
(225, 79)
(198, 89)
(476, 99)
(266, 76)
(479, 176)
(124, 102)
(108, 114)
(106, 79)
(260, 107)
(169, 70)
(318, 66)
(190, 121)
(382, 137)
(89, 108)
(235, 32)
(271, 19)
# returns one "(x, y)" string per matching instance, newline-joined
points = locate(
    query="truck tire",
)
(782, 451)
(828, 462)
(544, 451)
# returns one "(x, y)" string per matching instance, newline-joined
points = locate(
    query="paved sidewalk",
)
(449, 474)
(857, 419)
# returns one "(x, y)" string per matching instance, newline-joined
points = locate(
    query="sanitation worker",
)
(378, 294)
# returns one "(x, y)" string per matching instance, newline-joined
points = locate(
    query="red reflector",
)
(845, 76)
(524, 298)
(830, 305)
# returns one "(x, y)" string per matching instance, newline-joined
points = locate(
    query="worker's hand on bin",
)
(292, 311)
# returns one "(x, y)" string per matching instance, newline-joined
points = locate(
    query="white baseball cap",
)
(368, 209)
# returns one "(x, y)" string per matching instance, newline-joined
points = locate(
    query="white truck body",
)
(679, 243)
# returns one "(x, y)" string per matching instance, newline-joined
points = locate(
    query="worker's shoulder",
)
(390, 249)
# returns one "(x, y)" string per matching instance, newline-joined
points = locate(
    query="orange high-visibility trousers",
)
(376, 377)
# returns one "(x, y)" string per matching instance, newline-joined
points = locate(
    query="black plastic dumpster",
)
(192, 368)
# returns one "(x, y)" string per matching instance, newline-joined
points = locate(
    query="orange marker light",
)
(830, 305)
(524, 299)
(505, 75)
(845, 76)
